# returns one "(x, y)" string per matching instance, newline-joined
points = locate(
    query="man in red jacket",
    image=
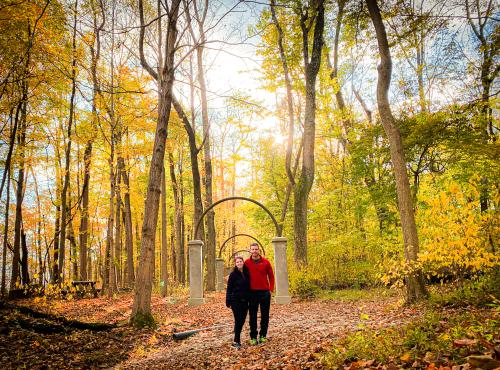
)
(261, 286)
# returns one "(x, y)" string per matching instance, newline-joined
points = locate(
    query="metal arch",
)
(234, 254)
(276, 225)
(236, 235)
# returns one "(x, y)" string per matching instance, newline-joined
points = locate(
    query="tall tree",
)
(199, 37)
(65, 210)
(290, 172)
(95, 52)
(415, 287)
(312, 18)
(164, 75)
(21, 147)
(487, 32)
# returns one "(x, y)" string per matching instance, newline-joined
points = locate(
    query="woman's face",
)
(239, 263)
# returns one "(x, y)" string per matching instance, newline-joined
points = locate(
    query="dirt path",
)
(298, 334)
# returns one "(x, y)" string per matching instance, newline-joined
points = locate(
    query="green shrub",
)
(353, 295)
(479, 291)
(302, 285)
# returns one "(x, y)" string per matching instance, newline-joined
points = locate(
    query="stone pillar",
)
(195, 273)
(219, 274)
(281, 271)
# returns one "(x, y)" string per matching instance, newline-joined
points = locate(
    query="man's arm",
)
(270, 276)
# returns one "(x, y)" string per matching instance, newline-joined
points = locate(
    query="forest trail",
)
(298, 334)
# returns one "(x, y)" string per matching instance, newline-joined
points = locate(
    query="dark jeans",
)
(240, 309)
(260, 298)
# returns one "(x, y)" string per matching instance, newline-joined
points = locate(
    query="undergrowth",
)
(460, 322)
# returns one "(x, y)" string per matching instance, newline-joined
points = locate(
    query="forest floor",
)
(299, 336)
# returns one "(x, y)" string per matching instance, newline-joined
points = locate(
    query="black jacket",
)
(238, 286)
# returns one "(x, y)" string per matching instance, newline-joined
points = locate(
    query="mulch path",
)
(299, 334)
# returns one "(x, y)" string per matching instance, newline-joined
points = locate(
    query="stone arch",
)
(223, 245)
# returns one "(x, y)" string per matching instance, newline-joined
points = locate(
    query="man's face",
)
(254, 251)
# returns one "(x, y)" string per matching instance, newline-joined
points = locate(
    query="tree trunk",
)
(334, 70)
(414, 281)
(118, 232)
(95, 50)
(129, 243)
(306, 177)
(182, 247)
(118, 211)
(84, 217)
(164, 243)
(57, 227)
(195, 170)
(207, 159)
(178, 220)
(64, 195)
(74, 247)
(141, 310)
(25, 277)
(289, 97)
(5, 236)
(15, 275)
(110, 255)
(12, 141)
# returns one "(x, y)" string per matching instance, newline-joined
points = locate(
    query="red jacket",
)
(261, 274)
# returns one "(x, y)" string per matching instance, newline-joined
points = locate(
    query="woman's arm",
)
(229, 290)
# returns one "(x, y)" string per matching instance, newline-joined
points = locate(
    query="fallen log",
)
(186, 334)
(74, 324)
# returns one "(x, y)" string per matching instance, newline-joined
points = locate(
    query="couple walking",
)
(249, 288)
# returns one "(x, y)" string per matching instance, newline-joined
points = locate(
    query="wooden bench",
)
(84, 286)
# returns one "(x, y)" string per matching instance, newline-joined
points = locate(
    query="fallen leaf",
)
(464, 342)
(406, 357)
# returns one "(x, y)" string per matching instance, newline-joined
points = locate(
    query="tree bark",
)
(74, 247)
(25, 277)
(415, 287)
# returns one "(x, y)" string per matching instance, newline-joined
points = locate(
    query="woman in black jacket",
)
(238, 287)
